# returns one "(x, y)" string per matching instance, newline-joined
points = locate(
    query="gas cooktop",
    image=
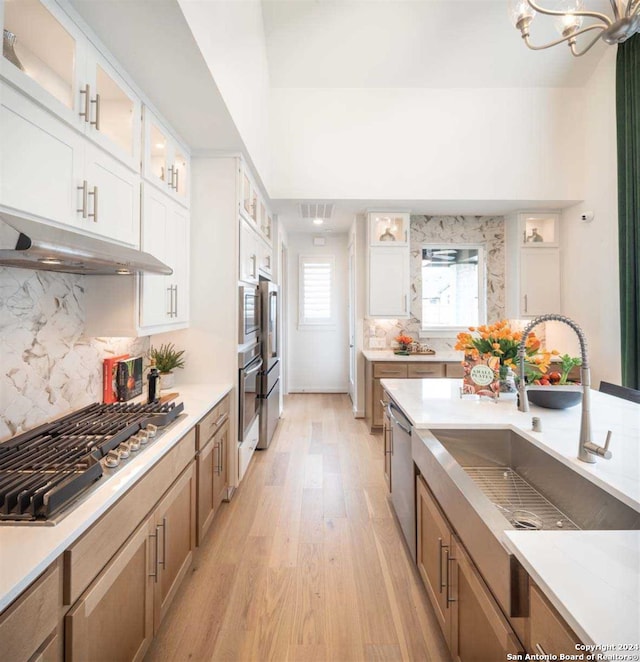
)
(46, 469)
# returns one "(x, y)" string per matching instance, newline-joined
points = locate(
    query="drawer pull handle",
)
(441, 585)
(540, 650)
(155, 560)
(448, 559)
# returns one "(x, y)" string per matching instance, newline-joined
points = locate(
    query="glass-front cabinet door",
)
(388, 229)
(157, 147)
(42, 53)
(538, 230)
(179, 174)
(112, 112)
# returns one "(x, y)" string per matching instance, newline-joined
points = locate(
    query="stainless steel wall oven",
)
(250, 366)
(249, 318)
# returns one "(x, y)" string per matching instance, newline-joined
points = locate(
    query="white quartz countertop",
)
(591, 577)
(27, 550)
(388, 355)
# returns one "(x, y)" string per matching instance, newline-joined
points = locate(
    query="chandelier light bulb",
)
(570, 22)
(522, 13)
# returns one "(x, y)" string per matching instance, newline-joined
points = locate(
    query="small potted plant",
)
(167, 358)
(404, 342)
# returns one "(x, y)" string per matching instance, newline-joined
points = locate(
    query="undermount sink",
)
(517, 477)
(490, 481)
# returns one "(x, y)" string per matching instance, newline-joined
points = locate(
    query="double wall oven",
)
(250, 367)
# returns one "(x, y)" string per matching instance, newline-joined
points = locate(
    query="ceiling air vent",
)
(313, 210)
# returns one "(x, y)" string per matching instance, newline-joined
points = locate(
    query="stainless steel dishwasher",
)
(403, 476)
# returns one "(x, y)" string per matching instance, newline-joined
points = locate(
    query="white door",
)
(178, 256)
(156, 297)
(539, 281)
(388, 282)
(352, 326)
(41, 160)
(114, 197)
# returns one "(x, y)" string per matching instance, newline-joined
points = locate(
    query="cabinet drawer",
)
(454, 370)
(89, 555)
(32, 618)
(423, 370)
(390, 370)
(549, 634)
(211, 422)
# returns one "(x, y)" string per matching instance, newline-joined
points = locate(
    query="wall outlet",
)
(377, 343)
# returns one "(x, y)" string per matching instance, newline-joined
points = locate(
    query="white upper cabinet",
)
(47, 57)
(388, 264)
(44, 54)
(388, 228)
(533, 264)
(252, 205)
(41, 160)
(166, 163)
(539, 230)
(110, 110)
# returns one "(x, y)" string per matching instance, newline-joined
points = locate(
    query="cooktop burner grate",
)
(520, 503)
(44, 469)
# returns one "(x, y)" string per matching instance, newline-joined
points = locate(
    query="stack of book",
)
(122, 378)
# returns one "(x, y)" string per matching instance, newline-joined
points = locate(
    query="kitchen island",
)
(592, 578)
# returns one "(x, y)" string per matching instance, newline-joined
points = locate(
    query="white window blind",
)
(316, 280)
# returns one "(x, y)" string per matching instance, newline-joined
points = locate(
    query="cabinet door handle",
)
(526, 304)
(175, 312)
(440, 548)
(96, 122)
(163, 526)
(170, 311)
(85, 193)
(176, 173)
(87, 102)
(170, 171)
(540, 650)
(94, 193)
(155, 560)
(448, 559)
(220, 456)
(254, 267)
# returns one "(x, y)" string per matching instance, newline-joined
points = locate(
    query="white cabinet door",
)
(248, 253)
(46, 57)
(178, 259)
(40, 160)
(264, 257)
(156, 296)
(539, 281)
(389, 282)
(113, 112)
(114, 197)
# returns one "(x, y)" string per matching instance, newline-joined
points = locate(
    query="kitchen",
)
(496, 136)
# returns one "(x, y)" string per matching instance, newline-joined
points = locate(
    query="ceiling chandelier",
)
(570, 14)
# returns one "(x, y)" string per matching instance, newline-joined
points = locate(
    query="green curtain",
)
(628, 123)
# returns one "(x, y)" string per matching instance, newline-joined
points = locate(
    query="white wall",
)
(427, 144)
(230, 35)
(590, 283)
(318, 359)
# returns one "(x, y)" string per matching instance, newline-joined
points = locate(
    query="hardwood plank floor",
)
(306, 563)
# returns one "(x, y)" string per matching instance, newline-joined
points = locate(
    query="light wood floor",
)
(306, 563)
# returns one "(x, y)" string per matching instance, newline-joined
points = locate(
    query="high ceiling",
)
(404, 44)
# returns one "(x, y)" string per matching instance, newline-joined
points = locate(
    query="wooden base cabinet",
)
(212, 478)
(473, 625)
(548, 632)
(433, 552)
(479, 630)
(175, 539)
(387, 441)
(113, 620)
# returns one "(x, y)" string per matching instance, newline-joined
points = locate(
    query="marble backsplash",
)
(49, 366)
(486, 230)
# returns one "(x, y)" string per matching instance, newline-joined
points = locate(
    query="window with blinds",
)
(316, 280)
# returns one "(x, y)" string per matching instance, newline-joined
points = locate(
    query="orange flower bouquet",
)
(500, 341)
(403, 343)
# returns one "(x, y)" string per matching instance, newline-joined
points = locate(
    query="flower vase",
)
(402, 350)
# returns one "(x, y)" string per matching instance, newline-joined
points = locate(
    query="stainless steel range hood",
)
(27, 244)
